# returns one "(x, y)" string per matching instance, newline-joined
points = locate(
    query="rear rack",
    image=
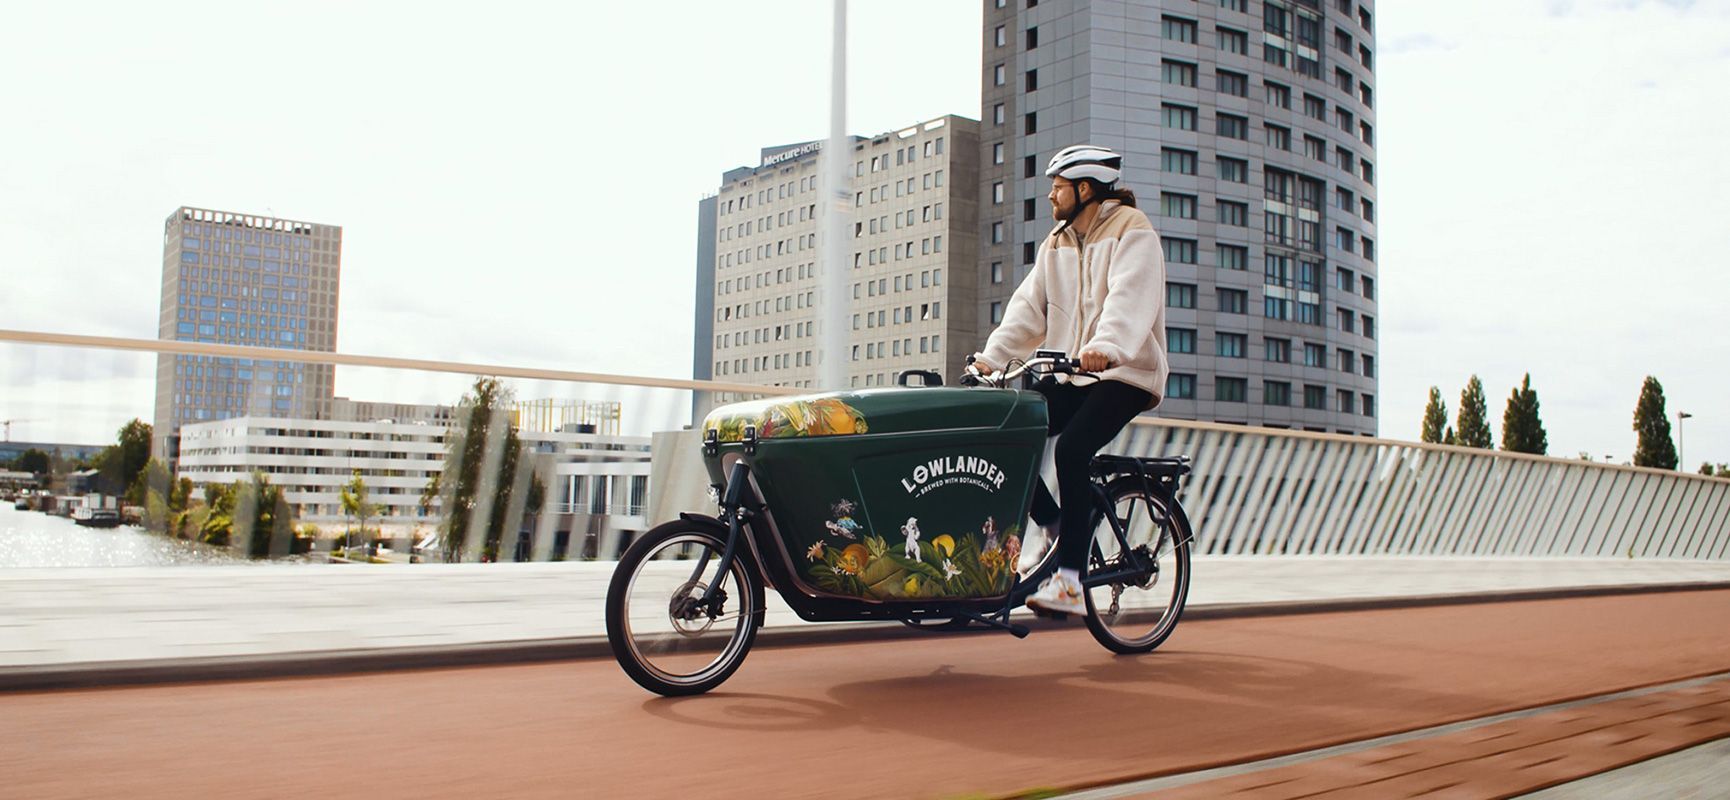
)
(1166, 470)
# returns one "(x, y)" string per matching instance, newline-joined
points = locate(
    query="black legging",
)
(1084, 419)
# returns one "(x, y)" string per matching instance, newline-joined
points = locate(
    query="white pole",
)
(837, 153)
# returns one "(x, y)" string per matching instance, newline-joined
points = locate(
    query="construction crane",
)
(8, 424)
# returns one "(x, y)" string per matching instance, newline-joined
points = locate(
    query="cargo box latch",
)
(711, 442)
(750, 439)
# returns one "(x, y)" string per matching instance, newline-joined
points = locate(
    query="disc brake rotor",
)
(685, 610)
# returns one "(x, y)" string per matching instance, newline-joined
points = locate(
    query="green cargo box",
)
(893, 494)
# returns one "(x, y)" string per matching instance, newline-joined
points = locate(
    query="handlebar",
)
(1043, 365)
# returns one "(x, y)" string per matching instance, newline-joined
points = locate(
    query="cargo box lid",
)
(878, 411)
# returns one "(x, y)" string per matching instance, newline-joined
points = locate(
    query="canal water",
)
(35, 539)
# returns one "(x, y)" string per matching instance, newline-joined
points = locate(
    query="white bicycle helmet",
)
(1086, 161)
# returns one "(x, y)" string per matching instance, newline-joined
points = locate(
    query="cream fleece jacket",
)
(1104, 291)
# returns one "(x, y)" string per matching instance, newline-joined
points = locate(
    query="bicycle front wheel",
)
(1136, 612)
(660, 632)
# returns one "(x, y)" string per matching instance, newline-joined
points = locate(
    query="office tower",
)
(909, 281)
(1248, 134)
(230, 278)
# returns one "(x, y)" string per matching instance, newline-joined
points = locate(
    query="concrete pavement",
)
(63, 620)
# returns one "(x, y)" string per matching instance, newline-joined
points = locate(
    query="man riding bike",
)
(1097, 288)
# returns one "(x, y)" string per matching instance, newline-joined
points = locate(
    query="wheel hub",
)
(689, 615)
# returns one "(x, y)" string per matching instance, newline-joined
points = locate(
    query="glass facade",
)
(253, 281)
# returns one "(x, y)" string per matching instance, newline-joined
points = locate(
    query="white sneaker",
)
(1033, 549)
(1061, 594)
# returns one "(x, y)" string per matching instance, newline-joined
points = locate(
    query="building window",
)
(1179, 161)
(1235, 84)
(1233, 213)
(1032, 79)
(1178, 251)
(1180, 340)
(1347, 401)
(1278, 95)
(1315, 355)
(997, 233)
(996, 312)
(1348, 361)
(1276, 393)
(1279, 137)
(997, 114)
(1179, 206)
(1233, 301)
(1177, 73)
(1235, 170)
(1180, 295)
(1369, 288)
(1369, 365)
(1028, 251)
(998, 75)
(1369, 326)
(1348, 320)
(1344, 279)
(1233, 41)
(1233, 256)
(1178, 29)
(1277, 351)
(1180, 386)
(1230, 345)
(996, 272)
(997, 193)
(1240, 6)
(1032, 38)
(1028, 210)
(1179, 117)
(1315, 397)
(1232, 126)
(1230, 390)
(1000, 40)
(1031, 125)
(997, 153)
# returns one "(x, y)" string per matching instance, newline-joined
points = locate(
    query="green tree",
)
(481, 456)
(1473, 428)
(1654, 448)
(119, 465)
(33, 461)
(263, 518)
(156, 485)
(218, 526)
(1448, 436)
(1435, 418)
(355, 504)
(1522, 430)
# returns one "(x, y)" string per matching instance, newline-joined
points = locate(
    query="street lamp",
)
(1681, 443)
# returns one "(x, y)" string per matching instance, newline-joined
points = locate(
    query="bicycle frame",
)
(747, 521)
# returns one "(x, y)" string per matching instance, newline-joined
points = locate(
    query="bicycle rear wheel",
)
(660, 635)
(1136, 613)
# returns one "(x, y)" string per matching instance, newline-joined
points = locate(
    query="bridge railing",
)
(1254, 491)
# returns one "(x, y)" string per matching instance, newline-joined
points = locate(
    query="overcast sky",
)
(520, 186)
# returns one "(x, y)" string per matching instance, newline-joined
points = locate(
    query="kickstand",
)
(999, 620)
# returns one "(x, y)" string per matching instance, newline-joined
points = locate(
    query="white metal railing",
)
(1255, 490)
(1262, 491)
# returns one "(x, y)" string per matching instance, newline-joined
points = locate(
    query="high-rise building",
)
(1248, 130)
(909, 279)
(230, 278)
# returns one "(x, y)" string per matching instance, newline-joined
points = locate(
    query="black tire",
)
(1154, 607)
(663, 652)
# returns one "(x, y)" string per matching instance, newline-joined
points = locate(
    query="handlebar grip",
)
(969, 380)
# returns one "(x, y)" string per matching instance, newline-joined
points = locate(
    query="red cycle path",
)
(953, 716)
